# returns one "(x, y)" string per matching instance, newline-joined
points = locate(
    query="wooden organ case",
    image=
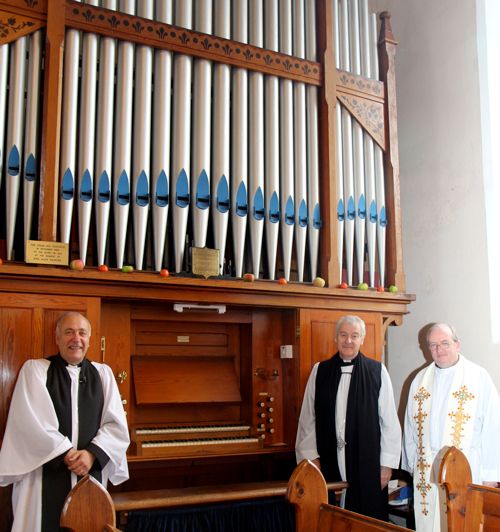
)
(212, 393)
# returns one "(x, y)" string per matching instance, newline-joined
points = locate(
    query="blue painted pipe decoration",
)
(161, 195)
(13, 163)
(241, 200)
(382, 217)
(362, 207)
(274, 209)
(258, 205)
(86, 187)
(123, 189)
(222, 200)
(67, 187)
(303, 214)
(182, 190)
(373, 211)
(103, 190)
(340, 210)
(30, 168)
(317, 215)
(290, 211)
(351, 211)
(203, 191)
(142, 190)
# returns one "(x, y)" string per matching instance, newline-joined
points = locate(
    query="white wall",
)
(442, 192)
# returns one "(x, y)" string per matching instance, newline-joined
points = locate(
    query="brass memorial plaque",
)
(205, 262)
(43, 252)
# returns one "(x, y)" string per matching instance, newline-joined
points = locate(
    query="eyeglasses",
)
(445, 345)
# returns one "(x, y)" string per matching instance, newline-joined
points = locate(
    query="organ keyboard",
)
(193, 440)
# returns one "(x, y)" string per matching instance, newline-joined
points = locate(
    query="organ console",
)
(132, 132)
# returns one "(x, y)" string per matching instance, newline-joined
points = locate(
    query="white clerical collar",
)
(449, 368)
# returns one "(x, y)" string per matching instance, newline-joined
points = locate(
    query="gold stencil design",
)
(423, 466)
(460, 417)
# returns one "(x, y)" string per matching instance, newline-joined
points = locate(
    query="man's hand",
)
(385, 476)
(79, 462)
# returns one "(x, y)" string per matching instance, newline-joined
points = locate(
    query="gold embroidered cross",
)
(462, 395)
(422, 465)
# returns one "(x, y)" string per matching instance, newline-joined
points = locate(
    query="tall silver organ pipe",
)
(86, 140)
(31, 131)
(122, 164)
(202, 134)
(286, 141)
(272, 191)
(162, 108)
(104, 139)
(313, 195)
(69, 128)
(256, 141)
(239, 141)
(181, 138)
(141, 166)
(221, 131)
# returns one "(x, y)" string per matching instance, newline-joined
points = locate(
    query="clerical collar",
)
(346, 362)
(66, 363)
(449, 367)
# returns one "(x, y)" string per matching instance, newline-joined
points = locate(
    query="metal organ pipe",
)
(239, 139)
(357, 143)
(300, 143)
(86, 140)
(272, 148)
(123, 139)
(160, 174)
(104, 139)
(313, 205)
(256, 141)
(4, 70)
(379, 164)
(31, 134)
(202, 81)
(347, 147)
(15, 136)
(141, 167)
(221, 132)
(181, 133)
(286, 142)
(368, 143)
(69, 117)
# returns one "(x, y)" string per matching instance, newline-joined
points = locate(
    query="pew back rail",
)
(307, 491)
(470, 506)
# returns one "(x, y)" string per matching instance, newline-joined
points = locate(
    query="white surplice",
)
(390, 430)
(32, 438)
(454, 406)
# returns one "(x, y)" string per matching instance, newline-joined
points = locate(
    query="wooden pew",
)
(307, 491)
(470, 506)
(88, 508)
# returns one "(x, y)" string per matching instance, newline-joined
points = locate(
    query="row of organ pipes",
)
(202, 151)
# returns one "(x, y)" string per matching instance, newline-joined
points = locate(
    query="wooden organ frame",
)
(260, 317)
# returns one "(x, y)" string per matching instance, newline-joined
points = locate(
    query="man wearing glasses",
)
(451, 402)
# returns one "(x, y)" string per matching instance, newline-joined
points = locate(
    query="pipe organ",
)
(137, 132)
